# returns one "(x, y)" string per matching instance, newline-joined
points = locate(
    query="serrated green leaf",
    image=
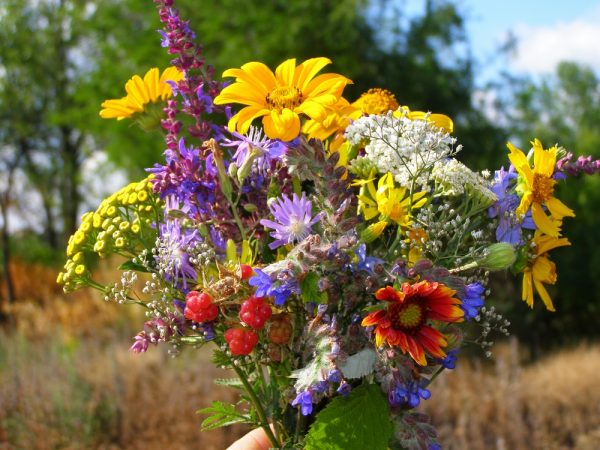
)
(220, 358)
(221, 415)
(357, 422)
(309, 288)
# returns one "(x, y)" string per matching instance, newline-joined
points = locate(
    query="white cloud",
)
(540, 49)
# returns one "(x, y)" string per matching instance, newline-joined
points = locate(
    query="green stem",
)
(257, 405)
(435, 375)
(238, 220)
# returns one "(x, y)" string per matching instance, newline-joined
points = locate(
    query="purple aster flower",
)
(304, 399)
(294, 220)
(409, 394)
(255, 150)
(472, 300)
(171, 248)
(262, 282)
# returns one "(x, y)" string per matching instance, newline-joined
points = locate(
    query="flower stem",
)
(257, 405)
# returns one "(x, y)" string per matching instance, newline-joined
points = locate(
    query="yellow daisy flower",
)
(141, 93)
(536, 188)
(281, 97)
(390, 203)
(540, 270)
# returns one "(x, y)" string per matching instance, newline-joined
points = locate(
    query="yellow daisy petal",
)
(543, 222)
(527, 293)
(284, 125)
(558, 209)
(308, 70)
(541, 290)
(284, 73)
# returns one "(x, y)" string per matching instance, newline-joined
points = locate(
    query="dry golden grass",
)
(551, 404)
(67, 381)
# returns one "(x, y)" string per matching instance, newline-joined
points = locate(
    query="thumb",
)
(254, 440)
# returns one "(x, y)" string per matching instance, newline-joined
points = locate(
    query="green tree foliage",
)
(564, 109)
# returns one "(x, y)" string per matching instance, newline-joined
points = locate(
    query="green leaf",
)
(130, 265)
(230, 382)
(221, 415)
(310, 289)
(356, 422)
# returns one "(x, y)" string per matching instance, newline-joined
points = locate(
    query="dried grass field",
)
(67, 381)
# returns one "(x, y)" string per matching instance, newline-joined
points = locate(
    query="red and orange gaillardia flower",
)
(406, 322)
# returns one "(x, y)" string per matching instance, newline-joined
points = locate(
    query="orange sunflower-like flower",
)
(536, 188)
(405, 323)
(141, 93)
(280, 98)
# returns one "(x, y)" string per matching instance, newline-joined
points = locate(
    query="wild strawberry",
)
(245, 271)
(240, 340)
(199, 307)
(280, 329)
(255, 312)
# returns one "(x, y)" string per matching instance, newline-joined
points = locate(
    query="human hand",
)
(254, 440)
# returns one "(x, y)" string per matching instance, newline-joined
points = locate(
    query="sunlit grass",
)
(68, 381)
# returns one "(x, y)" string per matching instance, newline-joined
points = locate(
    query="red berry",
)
(245, 271)
(241, 341)
(255, 312)
(199, 307)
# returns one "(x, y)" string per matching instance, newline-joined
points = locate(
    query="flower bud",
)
(498, 256)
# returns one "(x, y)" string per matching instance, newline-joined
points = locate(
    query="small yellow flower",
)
(99, 246)
(540, 270)
(376, 101)
(280, 98)
(390, 203)
(141, 93)
(536, 188)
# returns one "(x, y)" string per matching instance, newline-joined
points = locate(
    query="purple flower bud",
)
(304, 399)
(344, 388)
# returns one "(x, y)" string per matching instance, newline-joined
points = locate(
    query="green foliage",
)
(221, 415)
(309, 288)
(356, 422)
(31, 248)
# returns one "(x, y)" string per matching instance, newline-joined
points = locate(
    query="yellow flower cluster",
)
(536, 189)
(119, 225)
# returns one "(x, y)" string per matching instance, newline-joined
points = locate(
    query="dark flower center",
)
(408, 316)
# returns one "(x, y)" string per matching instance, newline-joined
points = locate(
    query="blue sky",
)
(548, 31)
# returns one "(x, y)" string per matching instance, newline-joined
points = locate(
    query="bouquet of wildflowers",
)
(330, 252)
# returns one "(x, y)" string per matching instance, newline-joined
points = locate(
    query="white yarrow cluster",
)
(454, 178)
(406, 148)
